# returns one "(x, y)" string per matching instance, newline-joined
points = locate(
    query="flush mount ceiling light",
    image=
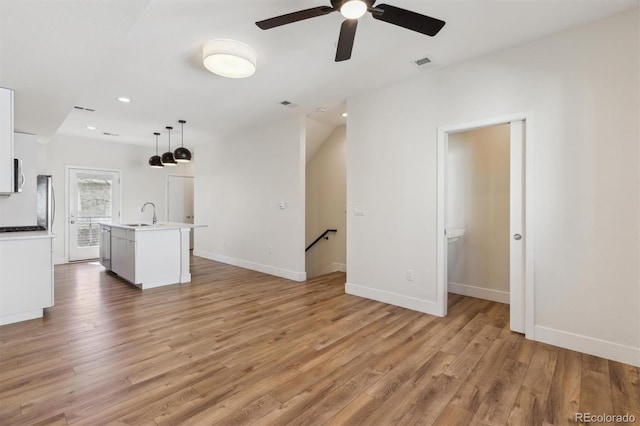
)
(344, 114)
(155, 161)
(124, 99)
(229, 58)
(182, 154)
(353, 9)
(167, 157)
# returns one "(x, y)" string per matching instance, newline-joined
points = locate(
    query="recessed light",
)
(344, 114)
(321, 109)
(124, 99)
(91, 127)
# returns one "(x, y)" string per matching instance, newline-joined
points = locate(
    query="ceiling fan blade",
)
(294, 17)
(408, 19)
(345, 42)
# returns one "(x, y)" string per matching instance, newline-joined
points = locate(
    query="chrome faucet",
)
(155, 219)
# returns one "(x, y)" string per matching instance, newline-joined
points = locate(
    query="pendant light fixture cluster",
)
(169, 158)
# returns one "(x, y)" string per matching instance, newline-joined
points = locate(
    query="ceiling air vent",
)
(423, 63)
(288, 104)
(81, 108)
(110, 134)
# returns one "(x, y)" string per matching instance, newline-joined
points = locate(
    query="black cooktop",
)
(22, 228)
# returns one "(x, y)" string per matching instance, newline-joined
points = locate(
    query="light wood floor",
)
(239, 347)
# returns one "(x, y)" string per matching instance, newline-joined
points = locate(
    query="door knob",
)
(517, 237)
(72, 222)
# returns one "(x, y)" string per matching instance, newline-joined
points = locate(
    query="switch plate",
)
(282, 204)
(358, 211)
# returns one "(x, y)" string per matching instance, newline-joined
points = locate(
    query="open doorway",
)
(478, 213)
(483, 251)
(326, 199)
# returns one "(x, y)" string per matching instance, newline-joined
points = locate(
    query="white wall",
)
(139, 182)
(478, 201)
(239, 183)
(583, 89)
(326, 201)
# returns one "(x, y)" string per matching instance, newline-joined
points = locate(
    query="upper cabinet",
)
(7, 183)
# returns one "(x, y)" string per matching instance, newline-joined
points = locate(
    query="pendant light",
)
(167, 157)
(182, 154)
(155, 161)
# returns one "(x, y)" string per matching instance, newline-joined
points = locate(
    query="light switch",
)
(282, 204)
(358, 211)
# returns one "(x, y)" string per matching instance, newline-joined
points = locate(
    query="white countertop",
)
(27, 235)
(157, 227)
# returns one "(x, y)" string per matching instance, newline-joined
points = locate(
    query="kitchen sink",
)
(137, 224)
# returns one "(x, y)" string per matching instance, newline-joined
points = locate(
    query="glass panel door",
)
(93, 199)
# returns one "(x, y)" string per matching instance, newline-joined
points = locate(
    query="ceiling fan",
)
(354, 9)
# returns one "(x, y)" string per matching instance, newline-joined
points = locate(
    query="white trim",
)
(589, 345)
(59, 260)
(404, 301)
(441, 249)
(334, 267)
(479, 292)
(247, 264)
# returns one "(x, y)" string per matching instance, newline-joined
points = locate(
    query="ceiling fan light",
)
(353, 9)
(229, 58)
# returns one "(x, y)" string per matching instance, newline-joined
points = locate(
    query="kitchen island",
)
(147, 255)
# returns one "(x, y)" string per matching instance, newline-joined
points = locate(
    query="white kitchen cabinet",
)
(6, 141)
(123, 254)
(26, 275)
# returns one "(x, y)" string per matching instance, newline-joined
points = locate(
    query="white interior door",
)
(516, 227)
(180, 201)
(93, 198)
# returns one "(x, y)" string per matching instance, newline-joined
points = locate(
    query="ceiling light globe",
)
(353, 9)
(229, 58)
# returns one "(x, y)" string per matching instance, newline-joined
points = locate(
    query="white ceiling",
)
(57, 54)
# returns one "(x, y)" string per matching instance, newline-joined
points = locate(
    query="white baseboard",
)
(588, 345)
(266, 269)
(334, 267)
(22, 316)
(59, 260)
(413, 303)
(479, 292)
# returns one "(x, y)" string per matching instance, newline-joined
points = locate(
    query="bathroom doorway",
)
(482, 200)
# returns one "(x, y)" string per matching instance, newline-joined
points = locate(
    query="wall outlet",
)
(270, 249)
(224, 243)
(409, 274)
